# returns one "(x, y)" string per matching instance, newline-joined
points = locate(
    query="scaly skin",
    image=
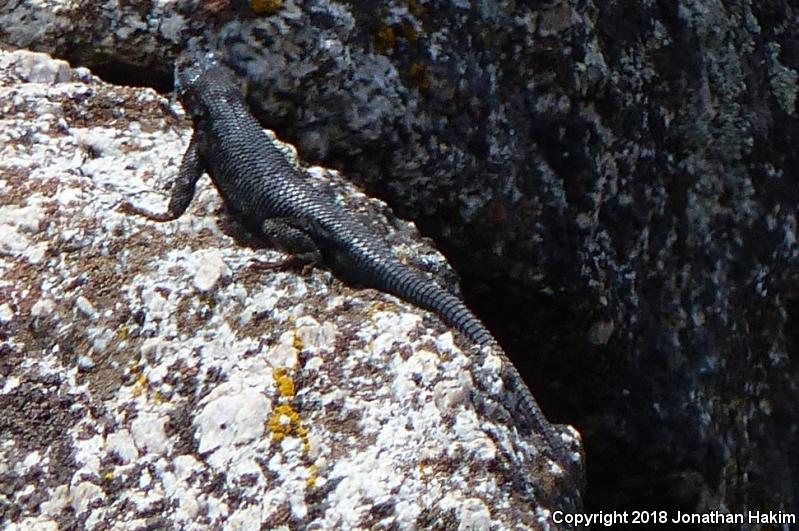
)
(264, 190)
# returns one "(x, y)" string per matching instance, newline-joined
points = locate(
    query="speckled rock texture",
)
(152, 378)
(615, 181)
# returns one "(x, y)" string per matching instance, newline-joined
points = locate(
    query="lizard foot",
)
(129, 208)
(292, 263)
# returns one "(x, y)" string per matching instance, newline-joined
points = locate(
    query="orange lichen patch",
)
(122, 332)
(419, 73)
(266, 7)
(385, 39)
(285, 385)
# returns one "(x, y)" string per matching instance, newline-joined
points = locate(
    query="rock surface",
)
(152, 378)
(615, 181)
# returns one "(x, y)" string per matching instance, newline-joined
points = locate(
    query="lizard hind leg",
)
(290, 236)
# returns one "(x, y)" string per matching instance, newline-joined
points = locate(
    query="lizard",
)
(264, 190)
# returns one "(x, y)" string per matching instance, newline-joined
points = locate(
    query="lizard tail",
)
(416, 288)
(422, 291)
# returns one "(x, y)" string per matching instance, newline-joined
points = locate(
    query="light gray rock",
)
(152, 378)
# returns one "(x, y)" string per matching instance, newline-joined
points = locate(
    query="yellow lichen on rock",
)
(419, 73)
(140, 384)
(297, 341)
(385, 39)
(283, 422)
(313, 475)
(285, 385)
(266, 7)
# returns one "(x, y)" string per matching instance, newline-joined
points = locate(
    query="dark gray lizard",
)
(265, 191)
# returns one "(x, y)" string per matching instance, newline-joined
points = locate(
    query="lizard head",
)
(202, 81)
(191, 65)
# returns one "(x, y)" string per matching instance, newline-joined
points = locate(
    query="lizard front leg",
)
(189, 173)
